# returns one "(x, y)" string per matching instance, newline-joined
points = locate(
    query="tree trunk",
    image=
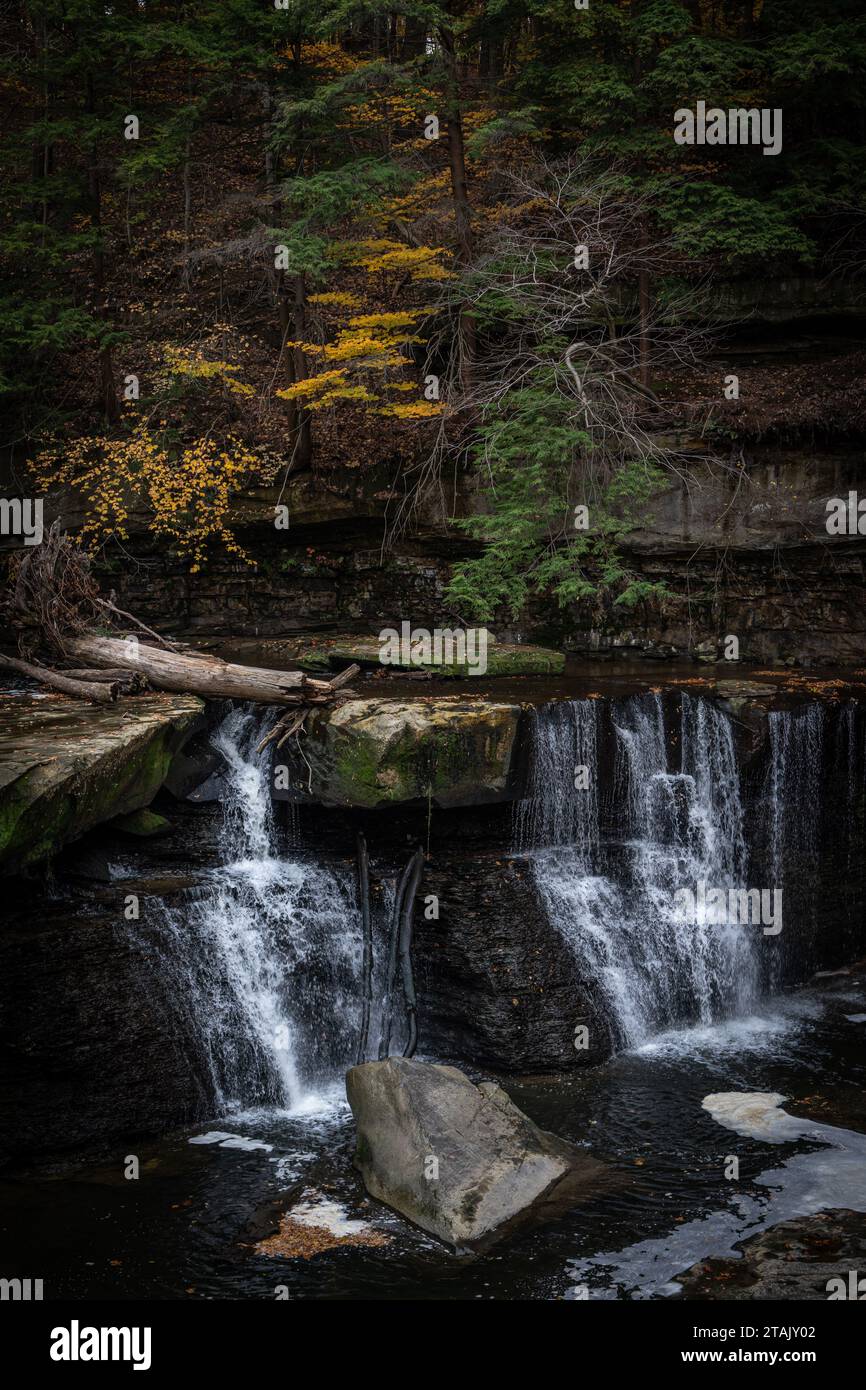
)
(301, 372)
(97, 692)
(414, 43)
(208, 676)
(108, 390)
(644, 313)
(460, 196)
(291, 297)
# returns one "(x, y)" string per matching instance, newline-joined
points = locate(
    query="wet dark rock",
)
(796, 1260)
(459, 1159)
(496, 986)
(90, 1049)
(143, 824)
(88, 862)
(707, 650)
(734, 690)
(191, 767)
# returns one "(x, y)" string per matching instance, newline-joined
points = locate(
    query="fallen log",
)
(208, 676)
(98, 692)
(129, 681)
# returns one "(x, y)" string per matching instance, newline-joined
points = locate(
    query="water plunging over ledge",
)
(679, 820)
(264, 958)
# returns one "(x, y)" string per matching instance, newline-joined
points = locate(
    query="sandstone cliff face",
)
(742, 549)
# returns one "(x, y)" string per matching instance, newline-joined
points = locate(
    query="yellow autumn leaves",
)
(371, 344)
(187, 490)
(192, 366)
(187, 486)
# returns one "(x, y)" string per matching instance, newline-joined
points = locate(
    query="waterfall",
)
(563, 742)
(794, 787)
(793, 794)
(615, 906)
(264, 957)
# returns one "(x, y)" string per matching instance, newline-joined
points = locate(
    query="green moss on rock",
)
(383, 752)
(143, 824)
(65, 766)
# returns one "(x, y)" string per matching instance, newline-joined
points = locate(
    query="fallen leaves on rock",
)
(298, 1241)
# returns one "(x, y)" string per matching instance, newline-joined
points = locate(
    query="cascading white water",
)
(794, 785)
(687, 828)
(681, 827)
(265, 955)
(564, 746)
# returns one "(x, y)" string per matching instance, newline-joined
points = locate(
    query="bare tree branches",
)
(554, 289)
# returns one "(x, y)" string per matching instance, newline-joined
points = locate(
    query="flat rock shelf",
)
(66, 767)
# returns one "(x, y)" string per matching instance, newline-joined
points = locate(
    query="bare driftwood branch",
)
(98, 692)
(110, 606)
(292, 723)
(129, 681)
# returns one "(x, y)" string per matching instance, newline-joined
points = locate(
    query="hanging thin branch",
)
(405, 951)
(367, 937)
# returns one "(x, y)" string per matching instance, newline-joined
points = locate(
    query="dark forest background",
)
(281, 276)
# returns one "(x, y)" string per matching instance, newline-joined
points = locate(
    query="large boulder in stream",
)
(459, 1159)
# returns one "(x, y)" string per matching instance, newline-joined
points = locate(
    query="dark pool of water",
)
(186, 1227)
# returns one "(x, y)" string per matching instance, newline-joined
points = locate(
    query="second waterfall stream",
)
(613, 902)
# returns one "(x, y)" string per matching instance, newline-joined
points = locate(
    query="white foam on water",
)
(327, 1215)
(328, 1103)
(832, 1177)
(118, 870)
(856, 1018)
(225, 1140)
(755, 1114)
(242, 1141)
(289, 1167)
(767, 1032)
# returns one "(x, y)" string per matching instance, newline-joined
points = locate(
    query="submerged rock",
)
(329, 652)
(143, 824)
(458, 1159)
